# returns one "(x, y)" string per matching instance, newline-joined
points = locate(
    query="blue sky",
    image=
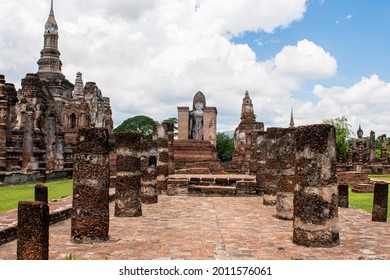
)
(324, 58)
(355, 32)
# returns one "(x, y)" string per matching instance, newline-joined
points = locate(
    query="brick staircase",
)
(194, 154)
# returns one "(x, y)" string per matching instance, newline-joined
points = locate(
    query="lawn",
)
(365, 200)
(11, 195)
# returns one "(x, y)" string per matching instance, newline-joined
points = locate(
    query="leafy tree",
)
(142, 124)
(225, 146)
(343, 133)
(174, 121)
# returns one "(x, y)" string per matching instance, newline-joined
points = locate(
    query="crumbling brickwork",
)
(43, 119)
(33, 231)
(287, 182)
(315, 200)
(91, 181)
(380, 203)
(128, 175)
(148, 158)
(40, 193)
(272, 165)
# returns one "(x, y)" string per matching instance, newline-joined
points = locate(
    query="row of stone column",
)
(297, 172)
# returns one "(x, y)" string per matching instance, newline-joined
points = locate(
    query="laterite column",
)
(128, 175)
(41, 193)
(33, 231)
(271, 166)
(287, 182)
(316, 221)
(381, 196)
(261, 155)
(343, 196)
(91, 181)
(161, 138)
(148, 157)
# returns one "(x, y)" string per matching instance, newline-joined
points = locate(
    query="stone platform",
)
(215, 228)
(212, 185)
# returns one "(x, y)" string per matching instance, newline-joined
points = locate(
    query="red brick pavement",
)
(206, 228)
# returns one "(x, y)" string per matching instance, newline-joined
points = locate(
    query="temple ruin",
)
(40, 122)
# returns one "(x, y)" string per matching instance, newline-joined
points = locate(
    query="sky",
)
(323, 58)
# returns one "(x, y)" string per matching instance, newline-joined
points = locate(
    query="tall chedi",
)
(50, 63)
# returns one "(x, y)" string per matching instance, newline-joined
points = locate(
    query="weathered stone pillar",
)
(128, 175)
(271, 167)
(350, 155)
(160, 136)
(41, 193)
(3, 129)
(33, 231)
(183, 116)
(148, 157)
(287, 182)
(210, 125)
(381, 196)
(343, 196)
(384, 156)
(315, 202)
(372, 147)
(91, 181)
(28, 141)
(261, 156)
(169, 128)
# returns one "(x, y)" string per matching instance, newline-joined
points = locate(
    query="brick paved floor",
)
(216, 228)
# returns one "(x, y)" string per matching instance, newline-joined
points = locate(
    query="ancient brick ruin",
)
(91, 182)
(197, 130)
(33, 231)
(39, 122)
(128, 176)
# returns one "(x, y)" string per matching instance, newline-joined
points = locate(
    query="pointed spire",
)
(292, 118)
(51, 24)
(50, 62)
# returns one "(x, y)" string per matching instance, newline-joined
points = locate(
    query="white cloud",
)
(151, 56)
(306, 60)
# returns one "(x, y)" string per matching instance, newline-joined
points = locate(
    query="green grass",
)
(11, 195)
(365, 200)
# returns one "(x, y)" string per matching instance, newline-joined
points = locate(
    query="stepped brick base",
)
(196, 154)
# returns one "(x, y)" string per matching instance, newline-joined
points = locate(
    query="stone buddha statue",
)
(361, 145)
(196, 117)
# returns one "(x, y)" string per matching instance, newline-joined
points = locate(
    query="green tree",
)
(174, 121)
(343, 134)
(225, 146)
(142, 124)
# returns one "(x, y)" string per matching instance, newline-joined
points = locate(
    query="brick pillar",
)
(169, 128)
(381, 196)
(91, 181)
(315, 201)
(28, 142)
(343, 200)
(183, 122)
(210, 125)
(41, 193)
(372, 147)
(148, 156)
(271, 167)
(160, 136)
(3, 129)
(261, 155)
(33, 231)
(287, 182)
(128, 175)
(384, 150)
(350, 155)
